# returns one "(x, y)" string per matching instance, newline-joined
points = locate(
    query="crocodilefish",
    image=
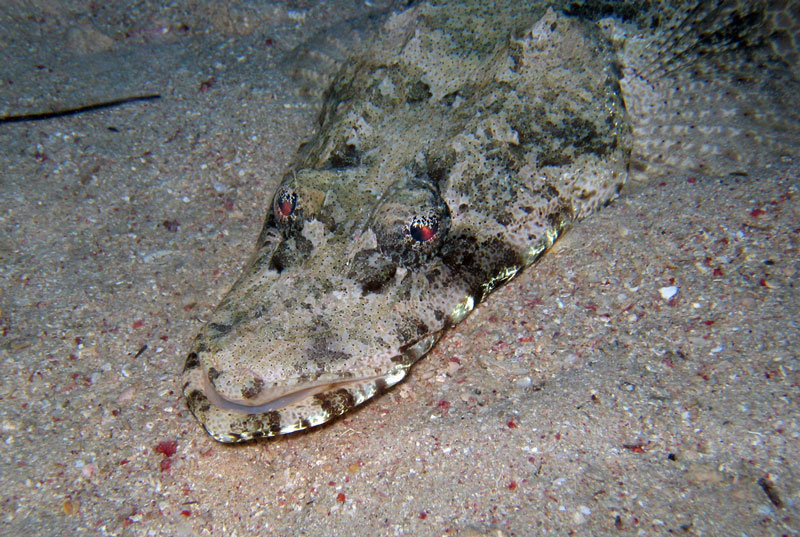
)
(450, 154)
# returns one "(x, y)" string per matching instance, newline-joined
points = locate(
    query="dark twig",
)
(39, 116)
(769, 490)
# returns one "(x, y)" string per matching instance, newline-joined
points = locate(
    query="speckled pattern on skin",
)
(450, 155)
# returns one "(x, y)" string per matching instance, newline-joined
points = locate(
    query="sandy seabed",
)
(642, 379)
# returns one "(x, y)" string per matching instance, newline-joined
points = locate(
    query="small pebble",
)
(524, 382)
(668, 292)
(71, 507)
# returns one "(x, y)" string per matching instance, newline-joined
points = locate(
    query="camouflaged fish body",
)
(449, 156)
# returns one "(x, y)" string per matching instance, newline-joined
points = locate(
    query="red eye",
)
(423, 232)
(285, 204)
(286, 208)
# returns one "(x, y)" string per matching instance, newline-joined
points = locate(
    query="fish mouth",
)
(294, 391)
(279, 398)
(295, 405)
(300, 407)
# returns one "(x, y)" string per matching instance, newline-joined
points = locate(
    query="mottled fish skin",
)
(449, 156)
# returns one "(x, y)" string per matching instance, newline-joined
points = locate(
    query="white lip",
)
(295, 391)
(277, 398)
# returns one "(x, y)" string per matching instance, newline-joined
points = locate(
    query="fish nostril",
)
(372, 271)
(290, 252)
(377, 282)
(276, 264)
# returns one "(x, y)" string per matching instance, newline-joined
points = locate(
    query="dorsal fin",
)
(313, 63)
(695, 88)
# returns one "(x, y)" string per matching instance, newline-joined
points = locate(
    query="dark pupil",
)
(286, 204)
(422, 232)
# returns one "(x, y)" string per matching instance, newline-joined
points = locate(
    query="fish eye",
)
(411, 224)
(285, 204)
(286, 207)
(423, 228)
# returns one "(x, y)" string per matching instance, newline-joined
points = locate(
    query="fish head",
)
(417, 196)
(346, 290)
